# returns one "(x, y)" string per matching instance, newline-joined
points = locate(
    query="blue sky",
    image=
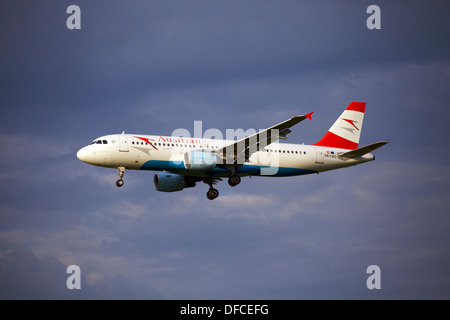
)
(152, 67)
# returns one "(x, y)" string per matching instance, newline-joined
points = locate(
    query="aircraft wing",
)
(241, 150)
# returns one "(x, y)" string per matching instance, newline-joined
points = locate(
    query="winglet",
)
(309, 115)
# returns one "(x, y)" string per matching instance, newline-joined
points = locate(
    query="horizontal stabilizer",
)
(363, 150)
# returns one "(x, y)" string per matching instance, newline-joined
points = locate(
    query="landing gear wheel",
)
(212, 193)
(119, 183)
(234, 180)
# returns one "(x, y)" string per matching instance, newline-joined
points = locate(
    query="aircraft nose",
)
(82, 154)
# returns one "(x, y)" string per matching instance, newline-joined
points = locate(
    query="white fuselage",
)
(182, 162)
(163, 153)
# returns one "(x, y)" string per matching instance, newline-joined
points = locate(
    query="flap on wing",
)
(363, 150)
(284, 133)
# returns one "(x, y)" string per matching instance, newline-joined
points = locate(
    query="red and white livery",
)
(184, 161)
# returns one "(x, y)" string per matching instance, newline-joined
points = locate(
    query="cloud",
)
(25, 148)
(25, 276)
(246, 206)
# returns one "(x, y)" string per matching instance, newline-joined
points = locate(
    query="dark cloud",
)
(124, 52)
(26, 277)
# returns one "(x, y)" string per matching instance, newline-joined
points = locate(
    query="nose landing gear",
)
(120, 182)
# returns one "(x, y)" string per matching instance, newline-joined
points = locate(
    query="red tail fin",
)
(346, 131)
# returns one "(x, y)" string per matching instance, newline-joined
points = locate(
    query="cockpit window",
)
(99, 142)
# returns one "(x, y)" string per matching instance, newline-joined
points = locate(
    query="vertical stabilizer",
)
(345, 132)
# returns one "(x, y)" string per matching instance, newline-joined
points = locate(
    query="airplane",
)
(184, 161)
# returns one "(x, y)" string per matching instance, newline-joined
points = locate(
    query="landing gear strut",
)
(120, 182)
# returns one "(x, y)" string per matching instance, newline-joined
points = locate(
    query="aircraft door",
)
(319, 155)
(123, 143)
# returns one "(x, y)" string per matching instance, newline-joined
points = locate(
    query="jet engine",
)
(168, 182)
(200, 161)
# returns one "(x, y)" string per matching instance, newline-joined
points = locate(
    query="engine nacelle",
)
(168, 182)
(200, 161)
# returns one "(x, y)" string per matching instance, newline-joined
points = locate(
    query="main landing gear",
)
(120, 182)
(213, 193)
(234, 180)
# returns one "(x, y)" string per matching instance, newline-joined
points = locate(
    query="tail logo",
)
(352, 122)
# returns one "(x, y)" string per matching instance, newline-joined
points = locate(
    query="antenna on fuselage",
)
(123, 132)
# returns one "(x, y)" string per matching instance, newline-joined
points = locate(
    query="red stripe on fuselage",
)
(148, 141)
